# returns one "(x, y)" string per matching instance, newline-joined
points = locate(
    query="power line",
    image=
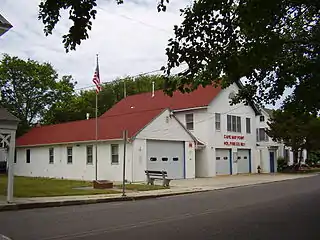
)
(137, 21)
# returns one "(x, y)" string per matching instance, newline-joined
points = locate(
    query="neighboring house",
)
(269, 151)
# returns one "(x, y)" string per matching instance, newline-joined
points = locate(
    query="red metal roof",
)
(110, 127)
(142, 102)
(131, 113)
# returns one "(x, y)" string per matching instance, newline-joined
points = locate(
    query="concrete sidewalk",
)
(177, 187)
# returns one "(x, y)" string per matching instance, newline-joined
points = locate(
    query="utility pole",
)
(124, 163)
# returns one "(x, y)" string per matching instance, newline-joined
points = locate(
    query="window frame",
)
(234, 123)
(89, 155)
(259, 134)
(114, 154)
(51, 155)
(218, 121)
(248, 128)
(28, 155)
(189, 122)
(69, 156)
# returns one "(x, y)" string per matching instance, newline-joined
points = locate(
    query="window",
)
(114, 154)
(261, 118)
(233, 123)
(28, 156)
(165, 159)
(89, 154)
(225, 158)
(245, 157)
(239, 157)
(69, 155)
(218, 121)
(189, 121)
(217, 158)
(153, 159)
(51, 155)
(248, 125)
(262, 135)
(15, 156)
(175, 159)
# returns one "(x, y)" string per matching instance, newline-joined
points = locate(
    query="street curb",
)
(24, 206)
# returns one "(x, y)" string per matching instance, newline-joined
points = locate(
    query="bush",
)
(282, 164)
(313, 158)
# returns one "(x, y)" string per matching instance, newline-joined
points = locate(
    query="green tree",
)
(298, 131)
(272, 45)
(78, 105)
(29, 89)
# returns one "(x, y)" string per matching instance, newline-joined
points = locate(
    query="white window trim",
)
(113, 154)
(266, 137)
(189, 122)
(217, 122)
(248, 132)
(70, 155)
(237, 118)
(87, 155)
(27, 156)
(51, 162)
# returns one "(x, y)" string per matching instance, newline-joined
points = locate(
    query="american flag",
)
(96, 79)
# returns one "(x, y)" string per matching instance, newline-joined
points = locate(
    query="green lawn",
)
(45, 187)
(142, 187)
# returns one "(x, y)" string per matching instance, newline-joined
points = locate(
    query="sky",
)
(130, 38)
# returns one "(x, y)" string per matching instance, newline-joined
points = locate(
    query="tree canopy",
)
(83, 102)
(298, 131)
(271, 45)
(29, 89)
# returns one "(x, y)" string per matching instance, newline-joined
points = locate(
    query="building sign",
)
(234, 143)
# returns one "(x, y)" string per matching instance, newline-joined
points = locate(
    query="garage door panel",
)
(243, 161)
(167, 156)
(222, 162)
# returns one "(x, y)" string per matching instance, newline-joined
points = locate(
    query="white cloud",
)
(130, 38)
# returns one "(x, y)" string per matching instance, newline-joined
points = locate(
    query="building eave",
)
(69, 143)
(189, 109)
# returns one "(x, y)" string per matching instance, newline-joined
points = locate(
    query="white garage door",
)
(166, 155)
(223, 161)
(243, 161)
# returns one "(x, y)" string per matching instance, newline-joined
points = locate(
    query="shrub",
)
(282, 164)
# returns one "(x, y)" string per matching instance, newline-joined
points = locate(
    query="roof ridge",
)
(127, 113)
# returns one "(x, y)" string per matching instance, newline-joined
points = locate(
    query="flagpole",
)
(97, 131)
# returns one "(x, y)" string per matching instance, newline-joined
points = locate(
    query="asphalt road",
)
(284, 210)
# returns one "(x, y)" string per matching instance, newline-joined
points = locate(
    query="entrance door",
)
(271, 162)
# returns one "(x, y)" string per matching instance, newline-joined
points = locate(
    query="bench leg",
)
(166, 182)
(150, 181)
